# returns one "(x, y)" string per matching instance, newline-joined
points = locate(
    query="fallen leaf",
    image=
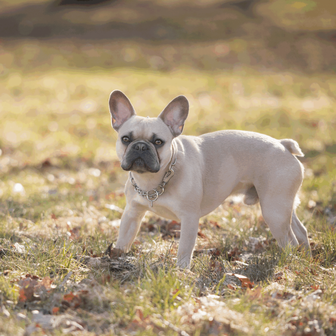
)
(75, 233)
(254, 293)
(282, 296)
(245, 281)
(173, 226)
(313, 272)
(332, 319)
(71, 300)
(278, 276)
(216, 265)
(68, 297)
(233, 254)
(47, 283)
(232, 287)
(201, 234)
(26, 292)
(55, 310)
(215, 224)
(139, 314)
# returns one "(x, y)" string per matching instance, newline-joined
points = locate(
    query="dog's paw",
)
(114, 252)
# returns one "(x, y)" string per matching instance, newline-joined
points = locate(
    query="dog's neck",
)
(149, 181)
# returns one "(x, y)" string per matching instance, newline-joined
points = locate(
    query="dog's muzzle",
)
(141, 156)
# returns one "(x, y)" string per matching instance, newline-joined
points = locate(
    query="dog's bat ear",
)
(121, 109)
(175, 114)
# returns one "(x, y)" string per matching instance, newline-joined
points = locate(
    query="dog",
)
(183, 178)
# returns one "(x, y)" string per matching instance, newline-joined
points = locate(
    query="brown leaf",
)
(312, 271)
(201, 234)
(245, 281)
(215, 224)
(68, 297)
(71, 300)
(282, 296)
(55, 310)
(254, 293)
(230, 286)
(173, 226)
(75, 233)
(22, 295)
(215, 252)
(332, 319)
(46, 282)
(233, 254)
(216, 265)
(139, 315)
(278, 276)
(26, 292)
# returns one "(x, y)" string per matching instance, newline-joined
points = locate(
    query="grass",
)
(59, 179)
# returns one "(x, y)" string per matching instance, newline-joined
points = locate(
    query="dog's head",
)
(144, 144)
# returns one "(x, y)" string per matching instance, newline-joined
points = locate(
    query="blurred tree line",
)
(282, 34)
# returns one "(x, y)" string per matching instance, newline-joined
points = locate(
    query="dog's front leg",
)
(129, 227)
(189, 229)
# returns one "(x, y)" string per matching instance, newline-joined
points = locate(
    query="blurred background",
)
(261, 65)
(279, 35)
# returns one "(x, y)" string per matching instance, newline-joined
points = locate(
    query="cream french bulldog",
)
(183, 177)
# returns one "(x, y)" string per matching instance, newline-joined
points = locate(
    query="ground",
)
(61, 196)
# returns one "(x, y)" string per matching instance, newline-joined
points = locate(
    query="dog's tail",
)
(292, 146)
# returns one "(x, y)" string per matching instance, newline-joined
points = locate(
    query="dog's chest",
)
(161, 207)
(163, 212)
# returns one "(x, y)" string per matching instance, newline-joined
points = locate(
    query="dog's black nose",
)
(140, 146)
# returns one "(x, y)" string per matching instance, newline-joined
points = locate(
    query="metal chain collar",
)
(153, 195)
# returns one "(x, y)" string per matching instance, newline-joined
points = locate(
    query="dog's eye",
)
(125, 139)
(158, 142)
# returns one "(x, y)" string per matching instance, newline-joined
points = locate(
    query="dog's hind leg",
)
(277, 213)
(277, 204)
(277, 193)
(300, 232)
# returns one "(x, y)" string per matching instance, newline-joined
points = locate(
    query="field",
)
(61, 195)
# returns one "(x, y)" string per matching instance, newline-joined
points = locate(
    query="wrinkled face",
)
(144, 144)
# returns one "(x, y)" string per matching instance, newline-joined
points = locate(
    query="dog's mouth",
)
(140, 166)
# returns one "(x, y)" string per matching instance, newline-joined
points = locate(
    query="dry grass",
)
(61, 193)
(60, 181)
